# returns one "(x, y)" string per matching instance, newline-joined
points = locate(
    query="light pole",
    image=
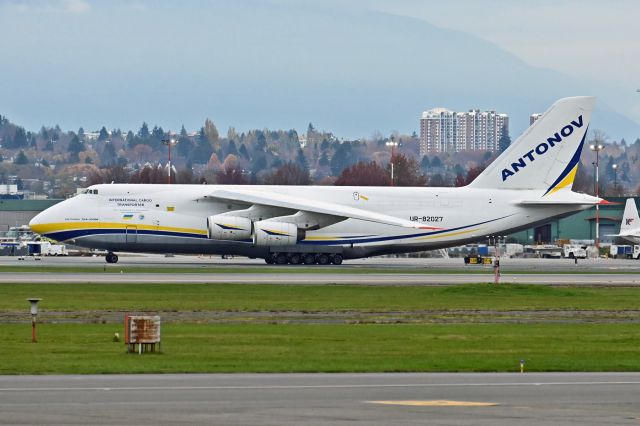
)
(597, 147)
(168, 143)
(391, 143)
(615, 178)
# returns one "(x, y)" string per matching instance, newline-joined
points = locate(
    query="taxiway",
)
(323, 399)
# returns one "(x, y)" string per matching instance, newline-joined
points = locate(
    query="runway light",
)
(521, 366)
(34, 314)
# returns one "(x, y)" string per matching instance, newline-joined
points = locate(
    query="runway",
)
(324, 399)
(321, 278)
(243, 264)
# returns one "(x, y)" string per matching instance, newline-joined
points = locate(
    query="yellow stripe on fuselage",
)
(321, 238)
(46, 228)
(448, 234)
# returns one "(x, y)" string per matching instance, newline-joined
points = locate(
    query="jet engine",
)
(223, 227)
(271, 234)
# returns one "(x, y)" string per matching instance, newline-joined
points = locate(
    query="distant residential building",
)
(533, 118)
(442, 130)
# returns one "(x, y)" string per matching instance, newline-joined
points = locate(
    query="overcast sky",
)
(62, 59)
(592, 39)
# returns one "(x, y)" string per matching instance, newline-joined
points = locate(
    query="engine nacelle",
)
(223, 227)
(267, 233)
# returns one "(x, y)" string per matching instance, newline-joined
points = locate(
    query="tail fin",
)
(630, 219)
(547, 154)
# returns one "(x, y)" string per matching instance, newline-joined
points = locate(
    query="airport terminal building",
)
(18, 212)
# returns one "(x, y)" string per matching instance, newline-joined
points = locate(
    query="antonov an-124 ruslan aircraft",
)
(528, 184)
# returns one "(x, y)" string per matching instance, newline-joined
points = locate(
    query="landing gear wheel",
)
(309, 259)
(111, 258)
(269, 260)
(323, 259)
(336, 259)
(295, 259)
(281, 259)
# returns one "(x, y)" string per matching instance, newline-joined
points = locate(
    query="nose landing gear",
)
(111, 258)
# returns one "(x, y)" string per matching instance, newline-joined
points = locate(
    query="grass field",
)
(266, 297)
(190, 346)
(325, 348)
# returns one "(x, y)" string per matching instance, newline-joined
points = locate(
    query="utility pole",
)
(169, 142)
(597, 147)
(391, 143)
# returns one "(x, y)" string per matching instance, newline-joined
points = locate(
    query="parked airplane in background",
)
(630, 226)
(528, 184)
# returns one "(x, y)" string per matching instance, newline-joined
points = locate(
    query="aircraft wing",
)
(274, 199)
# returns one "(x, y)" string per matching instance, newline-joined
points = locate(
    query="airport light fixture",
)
(615, 178)
(392, 144)
(34, 314)
(597, 147)
(168, 143)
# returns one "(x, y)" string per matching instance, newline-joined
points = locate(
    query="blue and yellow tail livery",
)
(547, 155)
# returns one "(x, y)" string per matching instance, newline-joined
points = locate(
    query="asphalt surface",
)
(159, 261)
(324, 399)
(608, 272)
(320, 278)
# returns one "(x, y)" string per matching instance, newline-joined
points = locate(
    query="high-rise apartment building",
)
(533, 118)
(442, 130)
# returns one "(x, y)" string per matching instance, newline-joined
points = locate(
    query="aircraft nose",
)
(38, 223)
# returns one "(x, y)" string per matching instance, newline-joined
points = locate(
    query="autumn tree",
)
(406, 171)
(473, 173)
(115, 174)
(148, 174)
(212, 133)
(364, 174)
(230, 177)
(288, 174)
(214, 162)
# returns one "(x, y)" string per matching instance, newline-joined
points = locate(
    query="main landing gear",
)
(303, 258)
(111, 258)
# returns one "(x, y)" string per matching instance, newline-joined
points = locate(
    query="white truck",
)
(574, 251)
(624, 251)
(45, 248)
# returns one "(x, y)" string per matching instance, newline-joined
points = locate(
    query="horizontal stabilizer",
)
(564, 198)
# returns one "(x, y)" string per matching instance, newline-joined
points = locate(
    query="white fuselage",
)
(173, 218)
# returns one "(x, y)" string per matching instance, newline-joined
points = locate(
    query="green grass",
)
(265, 297)
(254, 347)
(64, 349)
